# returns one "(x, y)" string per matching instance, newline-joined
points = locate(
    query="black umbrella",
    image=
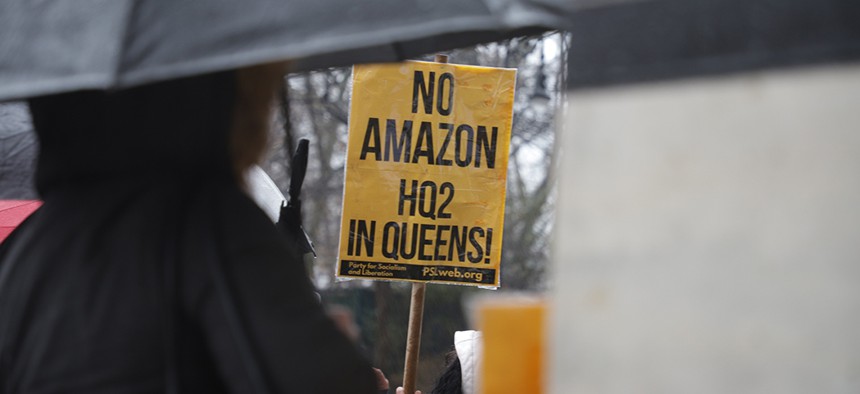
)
(55, 46)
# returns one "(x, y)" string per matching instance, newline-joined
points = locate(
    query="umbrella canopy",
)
(55, 46)
(13, 212)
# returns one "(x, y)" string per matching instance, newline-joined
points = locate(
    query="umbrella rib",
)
(120, 53)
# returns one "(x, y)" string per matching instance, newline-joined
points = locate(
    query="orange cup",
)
(514, 345)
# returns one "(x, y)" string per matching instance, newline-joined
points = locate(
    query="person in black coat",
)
(148, 269)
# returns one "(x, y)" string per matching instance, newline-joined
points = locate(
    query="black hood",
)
(155, 132)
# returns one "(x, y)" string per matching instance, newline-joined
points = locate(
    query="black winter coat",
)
(148, 270)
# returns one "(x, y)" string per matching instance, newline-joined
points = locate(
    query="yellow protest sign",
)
(426, 165)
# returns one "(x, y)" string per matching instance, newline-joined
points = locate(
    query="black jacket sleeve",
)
(295, 346)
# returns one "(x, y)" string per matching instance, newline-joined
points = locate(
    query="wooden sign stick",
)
(416, 319)
(413, 336)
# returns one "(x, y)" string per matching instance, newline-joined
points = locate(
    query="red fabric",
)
(13, 212)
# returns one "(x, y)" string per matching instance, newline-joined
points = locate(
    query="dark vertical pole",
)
(289, 142)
